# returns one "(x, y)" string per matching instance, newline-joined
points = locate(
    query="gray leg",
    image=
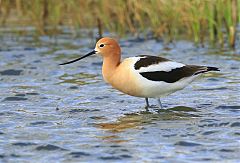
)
(160, 104)
(147, 104)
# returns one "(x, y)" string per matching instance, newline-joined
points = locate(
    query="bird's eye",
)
(101, 45)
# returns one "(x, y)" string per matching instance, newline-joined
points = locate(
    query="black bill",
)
(75, 60)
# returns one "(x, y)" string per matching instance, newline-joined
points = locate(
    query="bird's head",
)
(106, 47)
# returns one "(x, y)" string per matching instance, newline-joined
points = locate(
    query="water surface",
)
(52, 113)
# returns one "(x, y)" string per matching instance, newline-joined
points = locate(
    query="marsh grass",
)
(200, 20)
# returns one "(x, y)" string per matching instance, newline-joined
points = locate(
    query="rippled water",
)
(52, 113)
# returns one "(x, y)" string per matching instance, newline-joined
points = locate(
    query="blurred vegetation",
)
(202, 20)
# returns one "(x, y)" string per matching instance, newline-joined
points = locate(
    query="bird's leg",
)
(160, 104)
(147, 104)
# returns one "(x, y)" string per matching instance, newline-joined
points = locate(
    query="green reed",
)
(199, 20)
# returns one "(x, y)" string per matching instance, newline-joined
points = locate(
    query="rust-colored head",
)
(107, 47)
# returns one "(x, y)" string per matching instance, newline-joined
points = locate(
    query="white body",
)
(129, 81)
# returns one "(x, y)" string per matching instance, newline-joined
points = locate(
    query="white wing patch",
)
(162, 66)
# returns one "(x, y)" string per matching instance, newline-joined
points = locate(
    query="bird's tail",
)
(204, 69)
(212, 69)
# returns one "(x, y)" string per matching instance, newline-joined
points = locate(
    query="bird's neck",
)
(110, 64)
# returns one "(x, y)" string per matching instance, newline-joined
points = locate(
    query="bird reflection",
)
(141, 119)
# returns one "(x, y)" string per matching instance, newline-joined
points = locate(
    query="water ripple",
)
(69, 114)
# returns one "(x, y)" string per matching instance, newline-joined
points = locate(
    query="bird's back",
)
(151, 76)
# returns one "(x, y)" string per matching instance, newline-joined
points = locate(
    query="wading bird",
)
(143, 76)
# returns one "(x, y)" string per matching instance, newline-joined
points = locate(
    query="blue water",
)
(52, 113)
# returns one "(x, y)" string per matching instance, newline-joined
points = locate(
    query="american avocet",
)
(143, 76)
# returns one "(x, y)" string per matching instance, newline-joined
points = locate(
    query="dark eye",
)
(101, 45)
